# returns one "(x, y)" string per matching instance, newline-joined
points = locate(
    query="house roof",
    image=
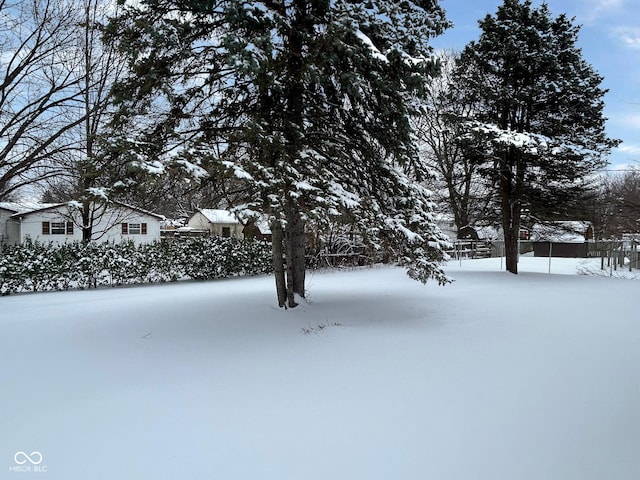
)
(27, 208)
(263, 225)
(219, 216)
(10, 206)
(141, 210)
(23, 208)
(563, 232)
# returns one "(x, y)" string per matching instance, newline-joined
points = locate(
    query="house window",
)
(226, 232)
(57, 228)
(134, 228)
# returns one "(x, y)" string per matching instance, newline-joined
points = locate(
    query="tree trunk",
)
(298, 249)
(87, 221)
(510, 206)
(295, 90)
(511, 247)
(86, 179)
(291, 299)
(511, 227)
(295, 251)
(277, 239)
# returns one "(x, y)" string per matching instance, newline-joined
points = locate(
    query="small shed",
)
(221, 223)
(561, 239)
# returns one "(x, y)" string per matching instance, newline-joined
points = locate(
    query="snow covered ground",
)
(493, 377)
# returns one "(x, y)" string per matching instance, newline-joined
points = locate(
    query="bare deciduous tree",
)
(39, 82)
(441, 135)
(618, 204)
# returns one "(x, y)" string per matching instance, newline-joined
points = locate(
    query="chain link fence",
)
(613, 254)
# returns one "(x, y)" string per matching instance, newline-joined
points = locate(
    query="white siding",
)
(107, 229)
(4, 224)
(199, 221)
(29, 227)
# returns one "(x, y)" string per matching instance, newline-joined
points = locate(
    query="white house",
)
(61, 223)
(221, 223)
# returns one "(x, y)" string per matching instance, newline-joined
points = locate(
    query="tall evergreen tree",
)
(538, 127)
(308, 101)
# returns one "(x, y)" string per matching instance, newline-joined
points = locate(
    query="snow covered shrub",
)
(10, 274)
(217, 257)
(26, 268)
(161, 262)
(42, 267)
(63, 268)
(90, 265)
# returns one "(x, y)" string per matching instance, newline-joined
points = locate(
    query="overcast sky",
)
(610, 41)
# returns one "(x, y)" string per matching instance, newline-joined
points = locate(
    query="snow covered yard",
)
(493, 377)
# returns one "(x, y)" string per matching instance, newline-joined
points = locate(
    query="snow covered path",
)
(493, 377)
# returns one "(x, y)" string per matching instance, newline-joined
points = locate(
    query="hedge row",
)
(46, 267)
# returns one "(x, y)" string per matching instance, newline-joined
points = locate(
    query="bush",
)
(35, 266)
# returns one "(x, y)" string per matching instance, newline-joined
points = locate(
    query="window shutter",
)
(46, 229)
(143, 229)
(125, 228)
(69, 228)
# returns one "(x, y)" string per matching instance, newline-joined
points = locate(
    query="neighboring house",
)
(221, 223)
(561, 239)
(61, 223)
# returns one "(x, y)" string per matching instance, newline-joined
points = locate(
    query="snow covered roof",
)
(263, 225)
(488, 232)
(219, 216)
(21, 208)
(171, 223)
(8, 206)
(25, 208)
(564, 232)
(140, 210)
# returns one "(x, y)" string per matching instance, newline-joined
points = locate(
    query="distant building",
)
(561, 239)
(59, 223)
(221, 223)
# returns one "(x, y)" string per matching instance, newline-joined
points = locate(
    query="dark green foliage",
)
(45, 267)
(307, 101)
(537, 127)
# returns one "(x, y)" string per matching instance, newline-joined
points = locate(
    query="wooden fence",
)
(471, 249)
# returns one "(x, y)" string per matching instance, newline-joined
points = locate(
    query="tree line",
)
(311, 112)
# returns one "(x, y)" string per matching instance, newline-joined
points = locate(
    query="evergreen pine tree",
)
(538, 127)
(308, 101)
